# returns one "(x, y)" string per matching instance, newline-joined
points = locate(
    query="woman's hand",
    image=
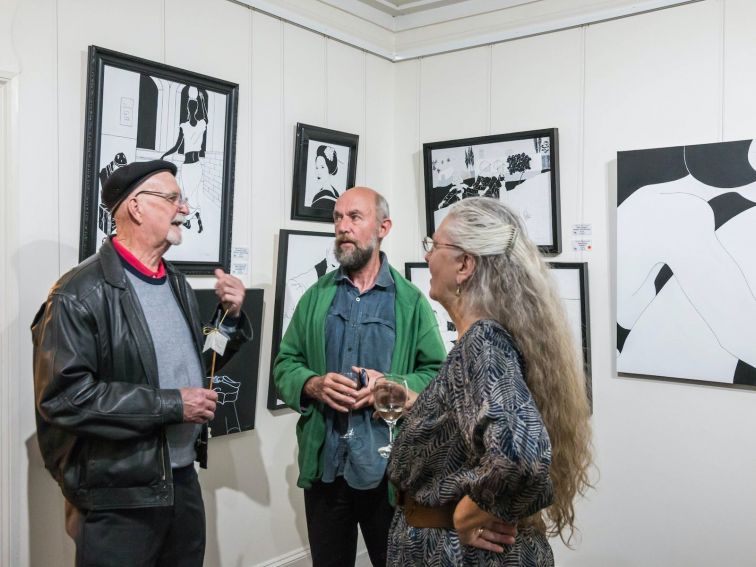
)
(478, 528)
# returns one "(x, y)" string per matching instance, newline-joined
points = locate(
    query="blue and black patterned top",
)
(474, 431)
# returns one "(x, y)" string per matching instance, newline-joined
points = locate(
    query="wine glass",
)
(349, 433)
(390, 395)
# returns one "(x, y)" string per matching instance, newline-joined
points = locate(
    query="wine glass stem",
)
(391, 434)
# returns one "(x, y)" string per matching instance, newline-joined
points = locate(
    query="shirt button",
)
(356, 298)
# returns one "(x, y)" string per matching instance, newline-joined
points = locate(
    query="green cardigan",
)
(418, 353)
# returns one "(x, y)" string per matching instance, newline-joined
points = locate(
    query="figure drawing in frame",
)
(150, 111)
(325, 181)
(303, 257)
(686, 272)
(325, 164)
(518, 169)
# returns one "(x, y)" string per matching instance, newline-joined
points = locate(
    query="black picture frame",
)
(489, 166)
(419, 274)
(573, 290)
(303, 256)
(310, 202)
(236, 382)
(137, 110)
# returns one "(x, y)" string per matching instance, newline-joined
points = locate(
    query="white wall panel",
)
(455, 92)
(538, 83)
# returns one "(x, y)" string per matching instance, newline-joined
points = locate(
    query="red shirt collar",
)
(135, 263)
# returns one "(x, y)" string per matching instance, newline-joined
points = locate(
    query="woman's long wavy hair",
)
(512, 285)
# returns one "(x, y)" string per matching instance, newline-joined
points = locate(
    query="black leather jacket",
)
(100, 412)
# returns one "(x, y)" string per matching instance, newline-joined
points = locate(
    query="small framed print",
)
(325, 162)
(572, 286)
(519, 169)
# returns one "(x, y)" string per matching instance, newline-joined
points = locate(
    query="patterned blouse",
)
(474, 431)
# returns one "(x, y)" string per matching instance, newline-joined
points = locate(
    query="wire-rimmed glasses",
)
(429, 244)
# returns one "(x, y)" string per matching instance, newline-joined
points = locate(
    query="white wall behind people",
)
(674, 460)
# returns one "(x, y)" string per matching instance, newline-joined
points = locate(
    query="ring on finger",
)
(480, 532)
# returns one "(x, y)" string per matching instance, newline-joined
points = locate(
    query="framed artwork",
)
(325, 162)
(520, 169)
(303, 257)
(236, 382)
(139, 110)
(419, 274)
(686, 271)
(572, 284)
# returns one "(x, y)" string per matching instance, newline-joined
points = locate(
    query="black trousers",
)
(334, 510)
(170, 536)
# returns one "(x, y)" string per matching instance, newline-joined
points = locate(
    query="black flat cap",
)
(128, 177)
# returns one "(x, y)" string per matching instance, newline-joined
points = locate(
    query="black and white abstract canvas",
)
(236, 382)
(141, 110)
(419, 274)
(686, 268)
(303, 257)
(520, 169)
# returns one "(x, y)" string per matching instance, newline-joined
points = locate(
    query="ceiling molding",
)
(401, 28)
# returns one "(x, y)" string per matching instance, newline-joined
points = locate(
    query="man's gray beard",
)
(176, 239)
(356, 258)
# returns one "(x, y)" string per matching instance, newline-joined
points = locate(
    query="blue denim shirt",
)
(360, 331)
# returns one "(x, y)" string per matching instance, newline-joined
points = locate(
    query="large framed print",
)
(572, 285)
(519, 169)
(686, 268)
(419, 274)
(325, 163)
(236, 382)
(140, 110)
(303, 257)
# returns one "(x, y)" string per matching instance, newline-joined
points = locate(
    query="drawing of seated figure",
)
(686, 271)
(297, 285)
(228, 394)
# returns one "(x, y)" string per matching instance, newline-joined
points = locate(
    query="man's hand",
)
(199, 404)
(364, 397)
(333, 389)
(478, 528)
(230, 292)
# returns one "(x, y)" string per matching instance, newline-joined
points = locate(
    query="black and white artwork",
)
(519, 169)
(236, 382)
(686, 268)
(572, 285)
(419, 274)
(325, 162)
(139, 110)
(303, 257)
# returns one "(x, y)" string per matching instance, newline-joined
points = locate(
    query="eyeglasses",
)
(172, 198)
(429, 245)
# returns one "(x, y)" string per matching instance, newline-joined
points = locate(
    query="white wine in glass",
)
(390, 395)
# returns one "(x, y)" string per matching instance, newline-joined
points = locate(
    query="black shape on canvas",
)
(236, 382)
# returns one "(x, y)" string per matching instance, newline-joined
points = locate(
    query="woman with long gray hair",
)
(493, 453)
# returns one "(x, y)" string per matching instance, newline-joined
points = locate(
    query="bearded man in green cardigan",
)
(352, 326)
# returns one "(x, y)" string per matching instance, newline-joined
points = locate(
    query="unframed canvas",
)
(686, 270)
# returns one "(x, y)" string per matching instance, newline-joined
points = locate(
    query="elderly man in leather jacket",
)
(118, 374)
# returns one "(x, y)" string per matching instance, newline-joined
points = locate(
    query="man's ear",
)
(133, 209)
(384, 228)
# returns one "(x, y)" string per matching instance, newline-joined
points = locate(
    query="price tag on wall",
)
(582, 237)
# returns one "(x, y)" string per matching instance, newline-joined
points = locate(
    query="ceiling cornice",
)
(389, 32)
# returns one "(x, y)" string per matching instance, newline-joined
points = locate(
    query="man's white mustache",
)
(179, 218)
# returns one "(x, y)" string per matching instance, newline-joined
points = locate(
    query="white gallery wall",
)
(674, 461)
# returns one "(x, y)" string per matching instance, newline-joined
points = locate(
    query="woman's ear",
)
(466, 268)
